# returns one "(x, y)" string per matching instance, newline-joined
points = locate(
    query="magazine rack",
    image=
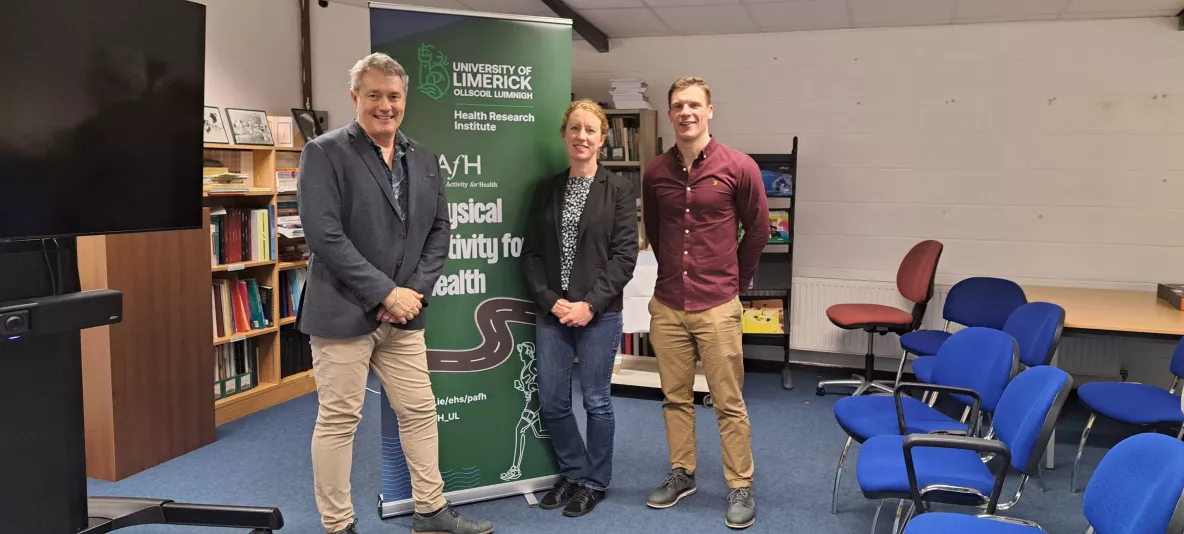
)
(774, 277)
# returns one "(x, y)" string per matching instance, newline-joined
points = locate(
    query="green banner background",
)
(495, 150)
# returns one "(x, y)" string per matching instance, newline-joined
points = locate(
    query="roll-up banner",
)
(486, 94)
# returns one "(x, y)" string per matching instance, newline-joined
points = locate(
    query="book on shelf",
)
(234, 367)
(763, 317)
(285, 179)
(295, 351)
(636, 344)
(291, 285)
(240, 306)
(778, 227)
(621, 144)
(242, 235)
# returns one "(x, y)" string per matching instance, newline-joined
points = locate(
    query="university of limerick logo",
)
(433, 72)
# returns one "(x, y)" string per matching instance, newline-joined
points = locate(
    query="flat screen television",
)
(100, 116)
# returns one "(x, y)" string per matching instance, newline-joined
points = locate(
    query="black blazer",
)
(606, 250)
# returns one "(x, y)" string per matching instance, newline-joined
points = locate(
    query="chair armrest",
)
(957, 442)
(904, 387)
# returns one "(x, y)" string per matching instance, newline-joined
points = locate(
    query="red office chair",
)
(914, 280)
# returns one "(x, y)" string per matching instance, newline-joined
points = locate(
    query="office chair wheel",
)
(707, 400)
(820, 391)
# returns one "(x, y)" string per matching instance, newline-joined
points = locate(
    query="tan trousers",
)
(399, 359)
(714, 336)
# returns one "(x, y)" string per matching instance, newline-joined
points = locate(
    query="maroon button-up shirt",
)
(691, 220)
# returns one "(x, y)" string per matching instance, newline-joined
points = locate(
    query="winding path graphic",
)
(493, 318)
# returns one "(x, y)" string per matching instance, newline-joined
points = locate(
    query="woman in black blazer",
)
(579, 254)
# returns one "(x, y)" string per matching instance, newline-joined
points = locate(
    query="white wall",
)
(340, 37)
(253, 55)
(1049, 153)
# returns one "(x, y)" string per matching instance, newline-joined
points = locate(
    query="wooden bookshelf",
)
(259, 163)
(645, 122)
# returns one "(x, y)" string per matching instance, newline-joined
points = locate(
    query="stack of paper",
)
(629, 94)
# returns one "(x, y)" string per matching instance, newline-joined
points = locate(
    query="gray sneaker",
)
(678, 484)
(448, 521)
(741, 508)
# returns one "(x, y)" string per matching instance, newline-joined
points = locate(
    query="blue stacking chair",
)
(975, 301)
(1132, 403)
(948, 469)
(1036, 327)
(976, 359)
(1138, 488)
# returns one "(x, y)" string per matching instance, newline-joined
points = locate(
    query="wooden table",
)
(1112, 312)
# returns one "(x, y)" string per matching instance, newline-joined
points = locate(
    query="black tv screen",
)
(100, 116)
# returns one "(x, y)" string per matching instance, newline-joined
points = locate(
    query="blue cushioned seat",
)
(923, 367)
(975, 301)
(1136, 489)
(924, 342)
(1024, 420)
(1137, 404)
(947, 523)
(864, 417)
(881, 470)
(1134, 404)
(978, 359)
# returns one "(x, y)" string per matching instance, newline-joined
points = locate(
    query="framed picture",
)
(249, 127)
(282, 128)
(306, 122)
(214, 128)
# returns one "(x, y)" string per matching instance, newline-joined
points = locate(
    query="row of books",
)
(240, 306)
(234, 367)
(621, 144)
(285, 180)
(242, 235)
(291, 284)
(636, 344)
(295, 351)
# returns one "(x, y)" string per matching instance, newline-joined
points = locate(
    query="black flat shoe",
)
(583, 501)
(559, 495)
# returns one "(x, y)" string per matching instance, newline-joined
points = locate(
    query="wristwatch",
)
(591, 308)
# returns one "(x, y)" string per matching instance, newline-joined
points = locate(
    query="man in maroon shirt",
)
(695, 196)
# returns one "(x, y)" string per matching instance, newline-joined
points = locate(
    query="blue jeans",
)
(596, 345)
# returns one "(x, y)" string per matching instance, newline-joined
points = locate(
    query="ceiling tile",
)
(700, 20)
(626, 22)
(602, 4)
(1125, 6)
(799, 15)
(677, 3)
(1007, 10)
(901, 12)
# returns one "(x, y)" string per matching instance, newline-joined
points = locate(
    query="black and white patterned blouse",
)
(573, 207)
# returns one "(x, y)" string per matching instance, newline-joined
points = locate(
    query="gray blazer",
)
(360, 248)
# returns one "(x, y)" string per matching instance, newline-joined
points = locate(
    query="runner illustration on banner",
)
(527, 383)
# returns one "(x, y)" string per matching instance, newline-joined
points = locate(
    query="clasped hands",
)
(572, 313)
(400, 306)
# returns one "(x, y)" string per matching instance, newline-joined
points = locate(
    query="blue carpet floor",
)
(263, 459)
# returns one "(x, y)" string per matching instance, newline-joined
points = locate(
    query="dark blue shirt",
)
(396, 174)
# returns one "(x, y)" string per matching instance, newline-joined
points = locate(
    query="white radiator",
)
(810, 330)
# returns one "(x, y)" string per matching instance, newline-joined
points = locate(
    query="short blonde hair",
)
(688, 81)
(591, 107)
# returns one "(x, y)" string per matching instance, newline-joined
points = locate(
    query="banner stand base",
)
(531, 500)
(526, 488)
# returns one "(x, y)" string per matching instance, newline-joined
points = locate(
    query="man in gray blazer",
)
(376, 220)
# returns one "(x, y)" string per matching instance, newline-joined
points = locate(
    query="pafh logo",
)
(462, 164)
